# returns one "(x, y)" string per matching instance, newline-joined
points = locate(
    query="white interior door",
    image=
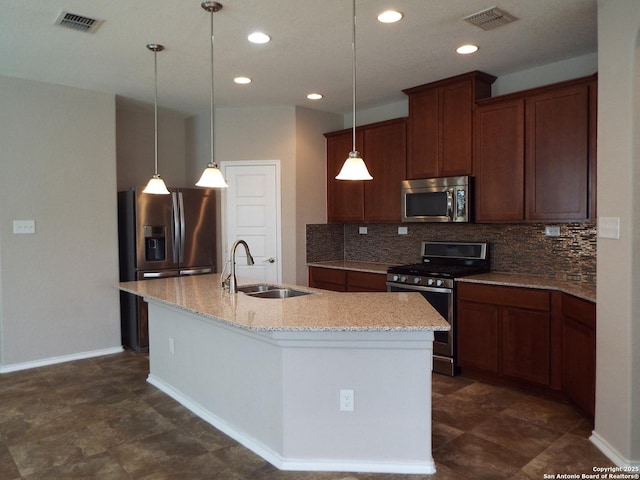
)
(251, 209)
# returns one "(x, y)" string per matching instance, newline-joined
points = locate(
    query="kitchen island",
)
(324, 381)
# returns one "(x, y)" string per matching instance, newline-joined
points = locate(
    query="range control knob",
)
(430, 281)
(416, 280)
(395, 278)
(403, 278)
(439, 283)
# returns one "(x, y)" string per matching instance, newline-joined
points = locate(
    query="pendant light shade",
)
(212, 176)
(156, 185)
(354, 167)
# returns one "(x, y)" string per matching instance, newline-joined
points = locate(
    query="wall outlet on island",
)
(172, 346)
(346, 401)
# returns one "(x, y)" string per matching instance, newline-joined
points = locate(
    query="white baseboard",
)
(275, 458)
(53, 360)
(613, 455)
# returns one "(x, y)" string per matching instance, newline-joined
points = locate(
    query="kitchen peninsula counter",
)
(326, 382)
(322, 310)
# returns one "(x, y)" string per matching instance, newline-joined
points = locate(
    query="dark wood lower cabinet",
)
(526, 345)
(579, 352)
(516, 340)
(366, 282)
(529, 338)
(328, 279)
(478, 335)
(339, 280)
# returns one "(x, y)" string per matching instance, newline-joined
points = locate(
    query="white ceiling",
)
(310, 48)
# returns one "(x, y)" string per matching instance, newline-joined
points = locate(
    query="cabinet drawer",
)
(510, 296)
(579, 310)
(327, 278)
(366, 282)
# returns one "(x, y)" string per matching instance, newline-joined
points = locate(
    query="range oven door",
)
(443, 346)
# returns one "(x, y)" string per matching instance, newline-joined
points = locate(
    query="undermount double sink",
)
(266, 290)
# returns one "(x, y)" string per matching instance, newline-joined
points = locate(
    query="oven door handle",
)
(419, 288)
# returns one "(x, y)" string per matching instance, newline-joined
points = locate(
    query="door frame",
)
(223, 209)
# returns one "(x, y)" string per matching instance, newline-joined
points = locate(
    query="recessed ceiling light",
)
(315, 96)
(467, 49)
(242, 80)
(390, 16)
(259, 37)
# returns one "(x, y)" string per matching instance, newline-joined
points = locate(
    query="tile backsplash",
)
(514, 248)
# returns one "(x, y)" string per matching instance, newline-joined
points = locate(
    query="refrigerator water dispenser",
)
(155, 243)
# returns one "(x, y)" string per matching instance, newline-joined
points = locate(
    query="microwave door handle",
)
(450, 205)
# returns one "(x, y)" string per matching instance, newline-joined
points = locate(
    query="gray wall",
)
(58, 168)
(292, 135)
(617, 428)
(135, 147)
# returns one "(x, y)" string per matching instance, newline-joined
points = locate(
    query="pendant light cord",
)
(353, 68)
(212, 119)
(155, 103)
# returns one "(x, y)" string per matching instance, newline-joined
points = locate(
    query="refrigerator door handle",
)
(159, 274)
(182, 228)
(175, 233)
(196, 271)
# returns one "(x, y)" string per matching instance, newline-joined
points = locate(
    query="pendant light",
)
(212, 176)
(156, 184)
(354, 167)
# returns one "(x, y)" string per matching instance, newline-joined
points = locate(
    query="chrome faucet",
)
(231, 279)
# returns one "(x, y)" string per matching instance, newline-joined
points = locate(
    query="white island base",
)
(278, 392)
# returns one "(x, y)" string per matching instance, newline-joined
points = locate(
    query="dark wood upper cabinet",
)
(535, 154)
(383, 147)
(386, 148)
(440, 129)
(345, 199)
(557, 154)
(499, 161)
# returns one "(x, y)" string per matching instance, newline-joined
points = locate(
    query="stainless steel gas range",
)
(434, 278)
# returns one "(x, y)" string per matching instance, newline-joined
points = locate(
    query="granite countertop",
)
(368, 267)
(323, 310)
(578, 289)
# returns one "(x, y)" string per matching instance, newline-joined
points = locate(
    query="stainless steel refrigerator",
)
(161, 236)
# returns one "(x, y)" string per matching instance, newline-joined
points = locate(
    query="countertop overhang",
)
(322, 310)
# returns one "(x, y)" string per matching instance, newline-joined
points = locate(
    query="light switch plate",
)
(403, 230)
(24, 227)
(362, 230)
(609, 227)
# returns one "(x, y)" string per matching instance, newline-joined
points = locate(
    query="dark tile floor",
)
(99, 419)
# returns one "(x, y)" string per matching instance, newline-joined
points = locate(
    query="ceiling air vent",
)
(78, 22)
(490, 18)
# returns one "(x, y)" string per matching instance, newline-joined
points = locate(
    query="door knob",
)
(270, 260)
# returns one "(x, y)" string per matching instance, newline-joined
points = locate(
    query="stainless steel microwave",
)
(445, 199)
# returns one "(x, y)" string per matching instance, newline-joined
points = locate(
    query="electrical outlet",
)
(552, 231)
(403, 230)
(172, 346)
(362, 230)
(24, 226)
(346, 401)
